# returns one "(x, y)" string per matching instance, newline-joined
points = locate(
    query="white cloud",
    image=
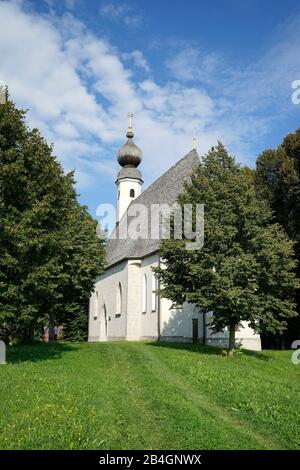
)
(120, 12)
(248, 99)
(79, 89)
(138, 59)
(53, 4)
(189, 64)
(267, 82)
(63, 74)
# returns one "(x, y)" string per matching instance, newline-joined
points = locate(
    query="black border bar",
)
(143, 458)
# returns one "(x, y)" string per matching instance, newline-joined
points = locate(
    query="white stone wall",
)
(123, 194)
(134, 324)
(176, 323)
(107, 286)
(134, 302)
(94, 322)
(149, 317)
(244, 336)
(247, 338)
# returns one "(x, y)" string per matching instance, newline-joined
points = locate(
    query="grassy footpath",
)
(139, 395)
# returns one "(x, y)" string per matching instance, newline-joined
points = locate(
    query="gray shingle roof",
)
(164, 190)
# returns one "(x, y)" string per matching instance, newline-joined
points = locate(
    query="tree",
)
(245, 270)
(49, 251)
(82, 256)
(277, 180)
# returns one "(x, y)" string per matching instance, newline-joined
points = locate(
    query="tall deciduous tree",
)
(278, 180)
(245, 270)
(49, 251)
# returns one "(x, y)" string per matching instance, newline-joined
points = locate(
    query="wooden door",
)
(195, 327)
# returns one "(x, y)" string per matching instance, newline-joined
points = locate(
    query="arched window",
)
(119, 299)
(153, 296)
(132, 193)
(96, 306)
(105, 318)
(144, 305)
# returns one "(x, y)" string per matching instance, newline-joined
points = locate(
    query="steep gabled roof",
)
(164, 190)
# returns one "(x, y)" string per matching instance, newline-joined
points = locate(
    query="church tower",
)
(129, 180)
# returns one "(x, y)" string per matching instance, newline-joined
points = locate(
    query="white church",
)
(124, 304)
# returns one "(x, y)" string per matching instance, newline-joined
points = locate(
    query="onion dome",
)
(129, 172)
(130, 154)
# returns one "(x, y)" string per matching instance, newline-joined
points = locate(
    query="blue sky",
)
(219, 69)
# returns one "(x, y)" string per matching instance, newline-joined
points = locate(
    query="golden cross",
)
(130, 117)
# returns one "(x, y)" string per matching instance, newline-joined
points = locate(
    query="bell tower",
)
(129, 179)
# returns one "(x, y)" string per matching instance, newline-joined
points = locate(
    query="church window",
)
(119, 299)
(144, 307)
(132, 193)
(153, 296)
(105, 318)
(96, 306)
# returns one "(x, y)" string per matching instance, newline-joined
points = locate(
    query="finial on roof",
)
(194, 143)
(130, 117)
(130, 126)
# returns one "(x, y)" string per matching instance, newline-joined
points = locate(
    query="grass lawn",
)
(126, 395)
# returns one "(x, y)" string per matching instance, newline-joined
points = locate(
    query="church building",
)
(125, 304)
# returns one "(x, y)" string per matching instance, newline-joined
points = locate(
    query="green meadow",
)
(131, 395)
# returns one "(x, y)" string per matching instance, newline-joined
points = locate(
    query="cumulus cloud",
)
(252, 90)
(79, 93)
(189, 64)
(79, 89)
(138, 59)
(121, 13)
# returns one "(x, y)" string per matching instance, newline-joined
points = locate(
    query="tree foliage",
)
(278, 181)
(245, 270)
(49, 251)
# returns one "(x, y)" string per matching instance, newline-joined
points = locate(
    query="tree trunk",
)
(231, 345)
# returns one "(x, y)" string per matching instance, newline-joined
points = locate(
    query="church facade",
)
(124, 304)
